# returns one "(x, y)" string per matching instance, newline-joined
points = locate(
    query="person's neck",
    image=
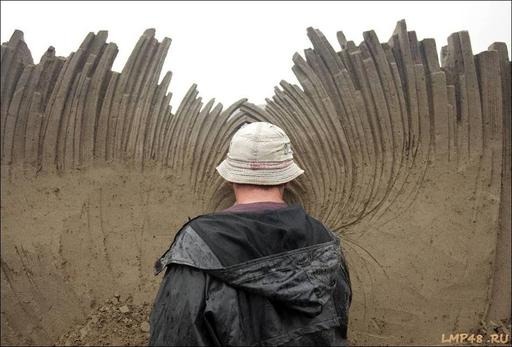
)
(251, 201)
(250, 196)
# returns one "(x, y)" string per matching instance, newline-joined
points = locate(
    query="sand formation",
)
(407, 157)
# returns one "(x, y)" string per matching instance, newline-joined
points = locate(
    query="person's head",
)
(259, 162)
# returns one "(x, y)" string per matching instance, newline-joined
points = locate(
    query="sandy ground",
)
(120, 322)
(115, 322)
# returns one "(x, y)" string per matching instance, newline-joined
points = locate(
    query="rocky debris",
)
(117, 321)
(144, 326)
(495, 327)
(501, 328)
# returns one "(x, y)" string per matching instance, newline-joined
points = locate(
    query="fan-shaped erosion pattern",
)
(407, 158)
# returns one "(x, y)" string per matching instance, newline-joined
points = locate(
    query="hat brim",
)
(265, 177)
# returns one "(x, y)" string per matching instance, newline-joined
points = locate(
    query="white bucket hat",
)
(259, 153)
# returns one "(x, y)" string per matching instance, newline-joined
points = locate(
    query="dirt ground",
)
(118, 321)
(115, 322)
(499, 330)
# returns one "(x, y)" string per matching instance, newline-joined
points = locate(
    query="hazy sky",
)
(243, 49)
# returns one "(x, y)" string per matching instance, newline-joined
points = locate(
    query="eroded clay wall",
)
(407, 158)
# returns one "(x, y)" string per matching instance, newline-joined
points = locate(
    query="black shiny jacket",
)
(272, 278)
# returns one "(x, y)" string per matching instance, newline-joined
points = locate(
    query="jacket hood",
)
(303, 280)
(284, 255)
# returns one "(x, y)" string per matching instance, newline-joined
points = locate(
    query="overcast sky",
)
(243, 49)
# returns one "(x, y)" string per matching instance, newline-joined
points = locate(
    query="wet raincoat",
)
(266, 278)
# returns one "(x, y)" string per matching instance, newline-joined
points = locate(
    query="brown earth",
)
(115, 322)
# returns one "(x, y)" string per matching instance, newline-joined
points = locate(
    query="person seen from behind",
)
(260, 272)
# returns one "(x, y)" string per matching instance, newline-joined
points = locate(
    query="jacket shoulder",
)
(188, 248)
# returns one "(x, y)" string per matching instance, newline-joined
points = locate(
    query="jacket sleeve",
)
(177, 317)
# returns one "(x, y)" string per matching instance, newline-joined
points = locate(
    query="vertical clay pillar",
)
(500, 304)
